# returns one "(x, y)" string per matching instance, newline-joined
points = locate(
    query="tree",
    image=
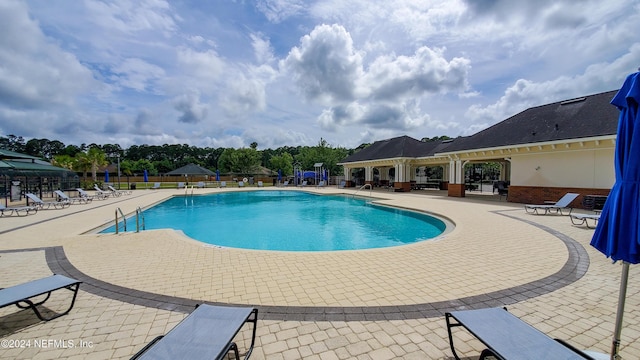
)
(12, 143)
(64, 161)
(282, 162)
(96, 159)
(244, 161)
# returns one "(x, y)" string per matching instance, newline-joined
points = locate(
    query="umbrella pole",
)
(615, 347)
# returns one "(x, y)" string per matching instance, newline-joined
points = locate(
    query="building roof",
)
(584, 117)
(191, 169)
(398, 147)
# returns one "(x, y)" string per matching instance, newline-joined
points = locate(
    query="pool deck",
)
(367, 304)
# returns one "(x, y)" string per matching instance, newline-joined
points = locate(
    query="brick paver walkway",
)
(371, 304)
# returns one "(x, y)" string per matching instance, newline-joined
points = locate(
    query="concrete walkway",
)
(370, 304)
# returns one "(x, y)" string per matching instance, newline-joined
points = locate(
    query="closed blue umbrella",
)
(217, 175)
(279, 175)
(106, 176)
(145, 176)
(617, 234)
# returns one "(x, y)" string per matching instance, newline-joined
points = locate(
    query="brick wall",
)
(538, 195)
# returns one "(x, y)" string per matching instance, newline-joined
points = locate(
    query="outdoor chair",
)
(206, 333)
(37, 202)
(223, 184)
(562, 204)
(200, 184)
(181, 185)
(80, 199)
(507, 337)
(583, 219)
(104, 193)
(121, 192)
(21, 295)
(97, 195)
(18, 210)
(260, 184)
(240, 183)
(155, 186)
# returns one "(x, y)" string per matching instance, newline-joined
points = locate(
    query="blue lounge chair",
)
(18, 210)
(562, 204)
(72, 200)
(207, 333)
(47, 204)
(21, 295)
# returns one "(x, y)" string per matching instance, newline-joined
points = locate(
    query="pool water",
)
(290, 221)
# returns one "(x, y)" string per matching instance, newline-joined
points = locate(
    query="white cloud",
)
(190, 109)
(137, 74)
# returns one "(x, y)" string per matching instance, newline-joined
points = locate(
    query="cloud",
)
(129, 17)
(427, 71)
(35, 73)
(325, 66)
(279, 10)
(137, 74)
(192, 111)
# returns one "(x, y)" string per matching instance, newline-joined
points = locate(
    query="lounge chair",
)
(320, 184)
(72, 200)
(206, 333)
(18, 210)
(240, 183)
(21, 295)
(47, 204)
(181, 185)
(99, 196)
(200, 184)
(260, 184)
(582, 219)
(562, 204)
(508, 337)
(342, 184)
(122, 192)
(155, 186)
(102, 192)
(223, 184)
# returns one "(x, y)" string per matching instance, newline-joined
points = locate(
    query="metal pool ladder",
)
(363, 187)
(139, 217)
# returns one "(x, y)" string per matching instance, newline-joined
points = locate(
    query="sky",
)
(289, 72)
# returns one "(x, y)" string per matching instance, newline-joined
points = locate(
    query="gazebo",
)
(191, 170)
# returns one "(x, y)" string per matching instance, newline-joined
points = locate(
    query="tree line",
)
(160, 159)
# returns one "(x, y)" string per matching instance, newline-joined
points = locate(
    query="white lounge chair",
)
(240, 183)
(223, 184)
(122, 192)
(201, 184)
(180, 185)
(102, 192)
(260, 184)
(18, 210)
(73, 200)
(155, 186)
(47, 204)
(562, 204)
(99, 196)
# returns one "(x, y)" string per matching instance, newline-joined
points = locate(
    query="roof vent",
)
(566, 102)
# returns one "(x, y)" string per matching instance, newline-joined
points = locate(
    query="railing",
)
(124, 220)
(363, 187)
(139, 215)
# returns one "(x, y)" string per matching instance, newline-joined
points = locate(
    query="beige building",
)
(542, 152)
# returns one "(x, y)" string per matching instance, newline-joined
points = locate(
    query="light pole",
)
(118, 171)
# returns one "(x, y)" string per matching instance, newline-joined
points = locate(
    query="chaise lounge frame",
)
(508, 337)
(206, 333)
(21, 295)
(582, 219)
(557, 207)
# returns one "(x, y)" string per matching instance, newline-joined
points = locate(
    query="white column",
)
(347, 173)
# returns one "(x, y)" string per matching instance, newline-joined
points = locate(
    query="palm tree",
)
(96, 158)
(82, 164)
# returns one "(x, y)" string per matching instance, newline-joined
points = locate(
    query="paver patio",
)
(370, 304)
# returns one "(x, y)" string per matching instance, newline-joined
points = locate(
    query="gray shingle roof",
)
(570, 119)
(584, 117)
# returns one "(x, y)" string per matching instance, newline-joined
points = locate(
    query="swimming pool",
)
(290, 221)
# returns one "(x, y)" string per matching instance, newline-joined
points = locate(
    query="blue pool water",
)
(290, 221)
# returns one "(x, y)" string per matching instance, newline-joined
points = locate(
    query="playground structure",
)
(318, 176)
